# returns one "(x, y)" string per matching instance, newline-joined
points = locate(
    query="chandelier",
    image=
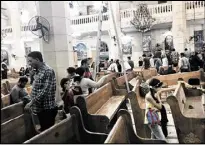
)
(142, 21)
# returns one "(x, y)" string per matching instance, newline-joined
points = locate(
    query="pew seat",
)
(110, 107)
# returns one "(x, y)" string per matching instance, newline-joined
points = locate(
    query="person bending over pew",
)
(86, 83)
(153, 106)
(18, 92)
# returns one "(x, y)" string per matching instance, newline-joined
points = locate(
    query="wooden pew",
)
(171, 79)
(109, 77)
(11, 111)
(123, 132)
(138, 109)
(5, 100)
(120, 82)
(146, 73)
(70, 130)
(8, 86)
(17, 130)
(4, 89)
(101, 106)
(188, 114)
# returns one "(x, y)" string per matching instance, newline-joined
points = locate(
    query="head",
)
(182, 55)
(151, 56)
(80, 71)
(84, 62)
(71, 70)
(106, 59)
(129, 58)
(155, 85)
(111, 60)
(173, 49)
(180, 79)
(117, 61)
(35, 59)
(22, 81)
(144, 55)
(64, 83)
(185, 49)
(89, 60)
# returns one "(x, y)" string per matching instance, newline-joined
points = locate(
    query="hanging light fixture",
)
(143, 20)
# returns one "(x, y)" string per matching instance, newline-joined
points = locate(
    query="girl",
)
(153, 106)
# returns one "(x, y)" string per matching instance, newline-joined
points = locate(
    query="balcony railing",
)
(88, 19)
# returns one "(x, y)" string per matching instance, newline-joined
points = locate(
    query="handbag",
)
(152, 117)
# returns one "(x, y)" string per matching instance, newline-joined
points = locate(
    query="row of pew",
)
(102, 117)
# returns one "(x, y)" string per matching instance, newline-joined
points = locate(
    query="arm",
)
(42, 91)
(94, 84)
(153, 102)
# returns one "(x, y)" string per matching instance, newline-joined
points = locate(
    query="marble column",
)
(58, 53)
(113, 51)
(179, 25)
(17, 45)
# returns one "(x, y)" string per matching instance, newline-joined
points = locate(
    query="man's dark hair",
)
(144, 55)
(107, 59)
(71, 70)
(185, 49)
(80, 71)
(111, 59)
(36, 55)
(129, 57)
(180, 79)
(150, 55)
(173, 49)
(23, 79)
(182, 54)
(84, 61)
(62, 82)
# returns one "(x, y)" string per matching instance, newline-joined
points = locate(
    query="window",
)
(161, 2)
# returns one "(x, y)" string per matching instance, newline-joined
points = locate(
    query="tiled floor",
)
(172, 135)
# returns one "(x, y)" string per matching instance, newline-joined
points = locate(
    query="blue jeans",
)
(156, 132)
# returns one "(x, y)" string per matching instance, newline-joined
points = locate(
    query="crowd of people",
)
(172, 62)
(79, 82)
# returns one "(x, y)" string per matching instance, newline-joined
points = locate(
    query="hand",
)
(28, 106)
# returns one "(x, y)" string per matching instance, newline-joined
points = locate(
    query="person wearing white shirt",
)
(113, 67)
(151, 61)
(164, 61)
(184, 64)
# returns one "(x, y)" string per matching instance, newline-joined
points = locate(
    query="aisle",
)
(172, 135)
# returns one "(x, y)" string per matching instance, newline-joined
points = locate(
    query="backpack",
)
(152, 117)
(144, 89)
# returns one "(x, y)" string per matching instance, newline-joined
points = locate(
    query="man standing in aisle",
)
(131, 63)
(43, 91)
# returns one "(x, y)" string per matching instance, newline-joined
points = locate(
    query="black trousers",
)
(184, 70)
(47, 118)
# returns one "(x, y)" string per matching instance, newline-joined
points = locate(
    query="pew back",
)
(11, 111)
(95, 100)
(172, 79)
(5, 100)
(180, 95)
(121, 80)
